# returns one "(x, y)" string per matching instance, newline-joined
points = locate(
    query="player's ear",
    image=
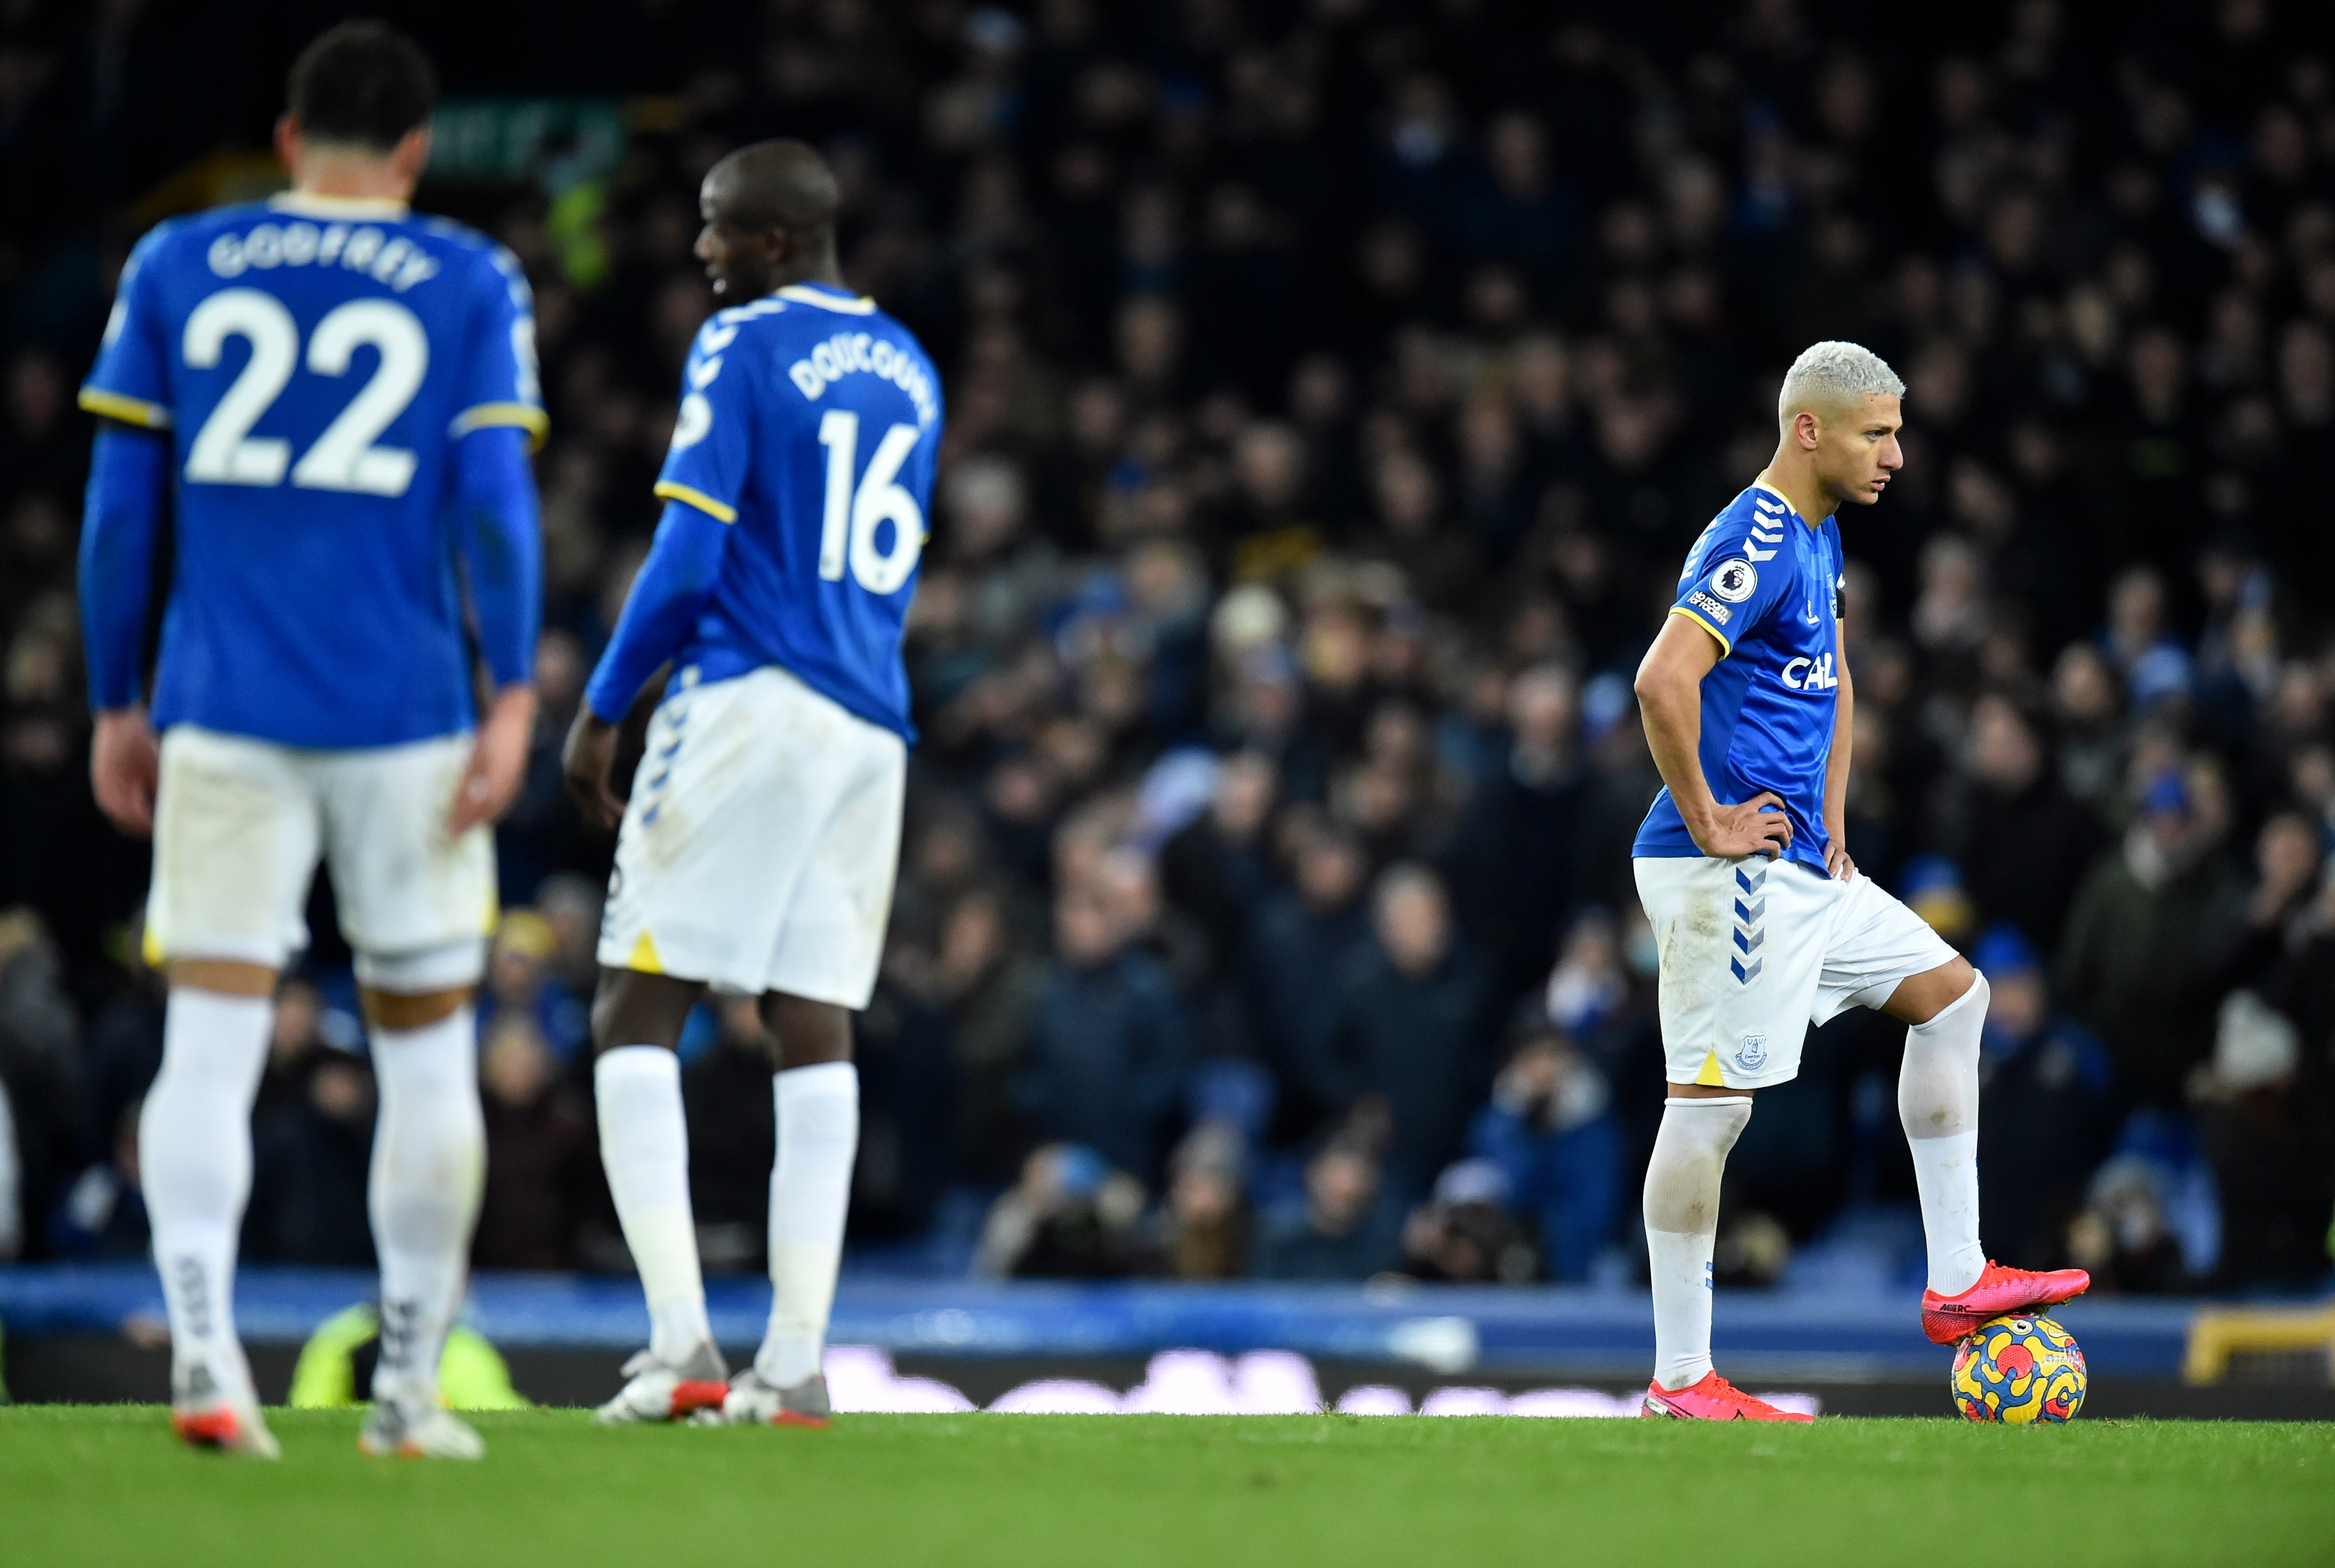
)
(1805, 427)
(287, 139)
(412, 154)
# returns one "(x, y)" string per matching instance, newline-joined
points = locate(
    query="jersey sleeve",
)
(499, 385)
(130, 380)
(1734, 578)
(705, 466)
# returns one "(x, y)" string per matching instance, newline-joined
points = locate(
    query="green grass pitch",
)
(106, 1485)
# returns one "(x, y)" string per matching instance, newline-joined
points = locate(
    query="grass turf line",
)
(107, 1484)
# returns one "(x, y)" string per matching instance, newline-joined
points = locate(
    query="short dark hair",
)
(362, 83)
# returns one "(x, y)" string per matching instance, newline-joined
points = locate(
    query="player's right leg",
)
(637, 1022)
(1734, 1010)
(416, 907)
(236, 836)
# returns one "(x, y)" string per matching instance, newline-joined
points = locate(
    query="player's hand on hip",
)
(1757, 826)
(1837, 865)
(498, 763)
(125, 767)
(585, 762)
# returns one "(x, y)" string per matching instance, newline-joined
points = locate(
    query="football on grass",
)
(2020, 1370)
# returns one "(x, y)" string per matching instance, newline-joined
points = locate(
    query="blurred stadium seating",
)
(1334, 387)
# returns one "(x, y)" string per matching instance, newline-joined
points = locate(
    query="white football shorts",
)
(759, 847)
(239, 825)
(1753, 951)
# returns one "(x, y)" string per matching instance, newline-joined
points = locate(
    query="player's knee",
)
(809, 1033)
(1921, 1000)
(448, 969)
(630, 1008)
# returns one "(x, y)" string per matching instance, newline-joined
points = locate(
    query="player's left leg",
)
(816, 1090)
(415, 905)
(824, 967)
(1885, 956)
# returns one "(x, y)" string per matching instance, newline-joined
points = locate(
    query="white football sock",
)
(429, 1167)
(645, 1145)
(810, 1192)
(1937, 1100)
(1682, 1210)
(194, 1162)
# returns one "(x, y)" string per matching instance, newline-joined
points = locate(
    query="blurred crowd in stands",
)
(1334, 388)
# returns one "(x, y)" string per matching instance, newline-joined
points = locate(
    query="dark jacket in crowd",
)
(1420, 1045)
(2274, 1155)
(1109, 1048)
(1292, 958)
(2141, 966)
(543, 1162)
(2024, 856)
(2045, 1120)
(1289, 1247)
(1513, 869)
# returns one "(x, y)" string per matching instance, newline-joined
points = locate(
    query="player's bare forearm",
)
(1670, 700)
(1836, 810)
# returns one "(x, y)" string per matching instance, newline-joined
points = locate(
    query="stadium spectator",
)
(2150, 932)
(1464, 1233)
(2023, 842)
(1069, 1216)
(2269, 1136)
(726, 1095)
(1108, 1041)
(1410, 1031)
(1550, 1132)
(1205, 1220)
(543, 1163)
(2045, 1104)
(521, 981)
(1343, 1227)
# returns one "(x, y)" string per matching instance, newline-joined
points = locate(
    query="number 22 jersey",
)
(810, 423)
(313, 363)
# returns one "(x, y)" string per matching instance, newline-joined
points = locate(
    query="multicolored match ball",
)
(2019, 1370)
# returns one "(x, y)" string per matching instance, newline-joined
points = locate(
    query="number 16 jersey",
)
(313, 363)
(810, 423)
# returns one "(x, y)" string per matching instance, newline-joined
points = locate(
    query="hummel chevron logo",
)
(1750, 881)
(1746, 975)
(1750, 940)
(1751, 915)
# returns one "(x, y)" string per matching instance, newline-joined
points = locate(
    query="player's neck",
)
(1799, 490)
(351, 177)
(825, 270)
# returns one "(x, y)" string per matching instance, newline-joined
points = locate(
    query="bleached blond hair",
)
(1833, 375)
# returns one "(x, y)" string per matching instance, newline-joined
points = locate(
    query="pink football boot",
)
(1947, 1319)
(1714, 1398)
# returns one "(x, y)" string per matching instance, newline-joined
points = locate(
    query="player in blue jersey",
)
(1764, 923)
(337, 397)
(757, 850)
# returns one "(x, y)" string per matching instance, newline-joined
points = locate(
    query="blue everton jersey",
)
(811, 422)
(1768, 586)
(315, 362)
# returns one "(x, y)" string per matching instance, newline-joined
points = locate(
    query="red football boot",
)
(1948, 1319)
(1713, 1399)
